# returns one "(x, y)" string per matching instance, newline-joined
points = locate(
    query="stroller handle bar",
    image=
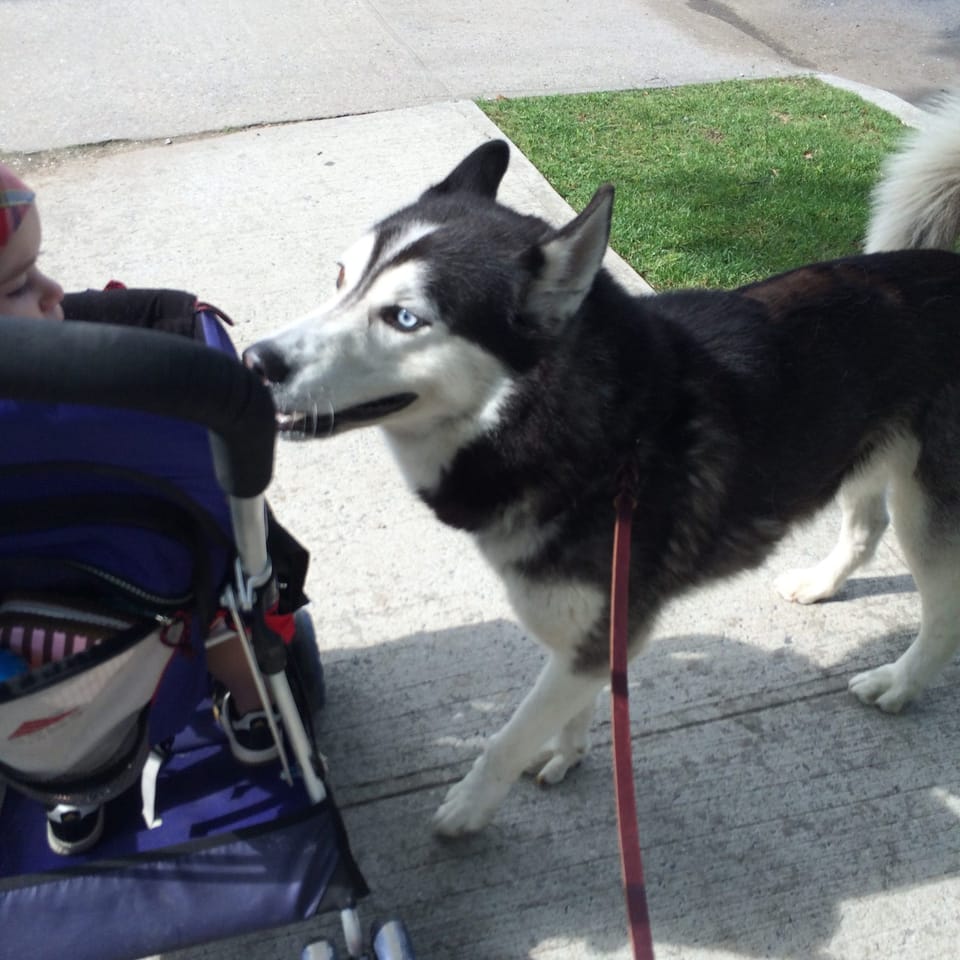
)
(153, 372)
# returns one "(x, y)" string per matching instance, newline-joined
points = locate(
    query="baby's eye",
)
(21, 288)
(341, 275)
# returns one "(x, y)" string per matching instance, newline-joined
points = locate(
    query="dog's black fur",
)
(741, 412)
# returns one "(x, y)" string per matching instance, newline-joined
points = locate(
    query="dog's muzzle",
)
(298, 424)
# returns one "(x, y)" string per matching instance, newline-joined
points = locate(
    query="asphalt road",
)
(909, 47)
(81, 72)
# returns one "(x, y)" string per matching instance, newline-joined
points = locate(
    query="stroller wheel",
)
(321, 950)
(392, 942)
(306, 656)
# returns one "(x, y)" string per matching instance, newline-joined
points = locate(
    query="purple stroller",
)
(133, 464)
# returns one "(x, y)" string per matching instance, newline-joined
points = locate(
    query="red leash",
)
(631, 865)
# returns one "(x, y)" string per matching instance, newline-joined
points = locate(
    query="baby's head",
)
(24, 290)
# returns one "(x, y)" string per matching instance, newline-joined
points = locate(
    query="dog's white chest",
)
(559, 613)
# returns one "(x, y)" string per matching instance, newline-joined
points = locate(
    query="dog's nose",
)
(267, 362)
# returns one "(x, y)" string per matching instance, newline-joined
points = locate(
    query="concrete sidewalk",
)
(779, 818)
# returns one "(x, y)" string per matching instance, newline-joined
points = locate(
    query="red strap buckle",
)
(282, 624)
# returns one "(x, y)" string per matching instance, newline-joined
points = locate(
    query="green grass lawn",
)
(717, 184)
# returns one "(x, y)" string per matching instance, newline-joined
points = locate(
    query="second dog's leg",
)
(558, 698)
(864, 519)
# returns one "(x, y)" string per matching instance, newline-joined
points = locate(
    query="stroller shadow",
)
(773, 807)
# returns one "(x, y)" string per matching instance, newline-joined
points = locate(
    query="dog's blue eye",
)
(402, 319)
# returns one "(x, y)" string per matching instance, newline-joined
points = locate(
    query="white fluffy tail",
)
(917, 202)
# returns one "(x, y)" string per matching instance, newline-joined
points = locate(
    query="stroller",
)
(134, 454)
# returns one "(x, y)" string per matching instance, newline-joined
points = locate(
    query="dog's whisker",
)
(329, 418)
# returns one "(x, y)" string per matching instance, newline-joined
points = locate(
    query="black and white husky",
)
(514, 379)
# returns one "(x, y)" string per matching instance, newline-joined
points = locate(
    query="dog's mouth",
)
(304, 425)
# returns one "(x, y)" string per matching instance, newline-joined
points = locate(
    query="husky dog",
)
(515, 379)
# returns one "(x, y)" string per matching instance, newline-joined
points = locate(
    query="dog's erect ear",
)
(569, 261)
(479, 172)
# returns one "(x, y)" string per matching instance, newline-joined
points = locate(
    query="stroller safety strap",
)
(148, 786)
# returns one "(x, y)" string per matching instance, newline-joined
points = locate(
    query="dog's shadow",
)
(858, 587)
(772, 805)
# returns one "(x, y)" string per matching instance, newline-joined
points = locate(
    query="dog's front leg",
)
(559, 698)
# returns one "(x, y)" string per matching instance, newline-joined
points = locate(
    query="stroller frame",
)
(244, 600)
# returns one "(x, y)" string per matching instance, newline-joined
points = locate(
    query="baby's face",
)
(24, 290)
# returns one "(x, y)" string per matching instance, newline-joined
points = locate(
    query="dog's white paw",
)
(558, 757)
(805, 586)
(471, 803)
(885, 686)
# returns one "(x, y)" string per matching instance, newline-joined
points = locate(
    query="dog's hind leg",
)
(559, 701)
(893, 685)
(863, 520)
(928, 529)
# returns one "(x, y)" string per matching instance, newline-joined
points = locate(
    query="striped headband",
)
(15, 201)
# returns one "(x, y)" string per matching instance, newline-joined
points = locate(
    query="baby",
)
(24, 290)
